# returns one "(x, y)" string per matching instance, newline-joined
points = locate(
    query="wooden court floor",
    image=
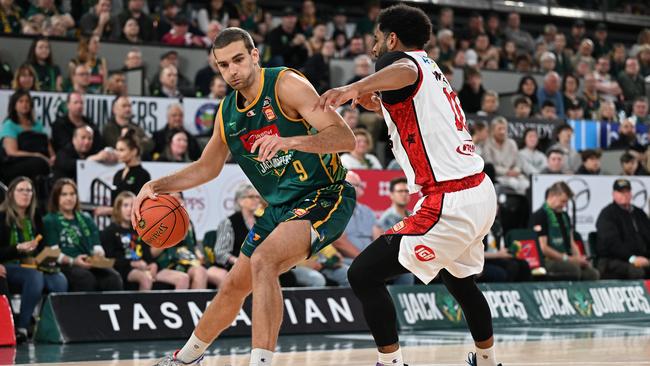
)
(624, 350)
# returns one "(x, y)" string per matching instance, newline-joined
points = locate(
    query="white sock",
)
(485, 357)
(192, 350)
(261, 357)
(391, 359)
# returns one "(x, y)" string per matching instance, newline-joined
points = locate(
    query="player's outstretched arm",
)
(399, 74)
(297, 98)
(201, 171)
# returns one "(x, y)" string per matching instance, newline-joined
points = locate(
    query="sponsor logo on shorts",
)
(300, 212)
(424, 254)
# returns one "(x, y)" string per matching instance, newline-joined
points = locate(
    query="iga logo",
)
(424, 254)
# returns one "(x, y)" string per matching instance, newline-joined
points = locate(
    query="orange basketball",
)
(163, 223)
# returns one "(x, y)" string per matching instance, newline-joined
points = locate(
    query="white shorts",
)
(446, 230)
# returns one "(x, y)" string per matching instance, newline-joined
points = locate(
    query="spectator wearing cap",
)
(523, 40)
(472, 92)
(626, 136)
(602, 46)
(523, 107)
(630, 80)
(555, 162)
(590, 162)
(562, 257)
(564, 134)
(98, 21)
(576, 35)
(171, 58)
(640, 111)
(286, 44)
(550, 90)
(135, 10)
(563, 64)
(623, 246)
(180, 35)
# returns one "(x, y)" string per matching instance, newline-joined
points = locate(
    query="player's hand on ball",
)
(146, 192)
(336, 97)
(269, 145)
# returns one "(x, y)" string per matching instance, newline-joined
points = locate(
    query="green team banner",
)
(432, 307)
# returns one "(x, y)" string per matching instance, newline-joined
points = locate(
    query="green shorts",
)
(328, 209)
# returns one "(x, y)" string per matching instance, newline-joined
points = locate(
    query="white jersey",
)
(429, 137)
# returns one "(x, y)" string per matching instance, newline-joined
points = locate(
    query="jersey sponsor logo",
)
(249, 139)
(399, 226)
(424, 254)
(277, 164)
(467, 149)
(237, 133)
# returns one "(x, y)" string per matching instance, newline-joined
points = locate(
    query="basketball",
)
(163, 223)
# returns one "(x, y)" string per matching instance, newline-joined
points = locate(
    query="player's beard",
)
(383, 49)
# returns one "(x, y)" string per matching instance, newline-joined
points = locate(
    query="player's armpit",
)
(298, 97)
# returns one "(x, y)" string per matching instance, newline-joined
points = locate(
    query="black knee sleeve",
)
(471, 300)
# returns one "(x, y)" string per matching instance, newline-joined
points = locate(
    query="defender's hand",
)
(334, 98)
(369, 101)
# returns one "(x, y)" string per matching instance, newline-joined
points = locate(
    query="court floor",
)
(593, 345)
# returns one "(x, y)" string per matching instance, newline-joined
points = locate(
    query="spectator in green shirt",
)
(77, 236)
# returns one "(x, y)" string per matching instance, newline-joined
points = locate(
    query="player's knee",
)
(263, 267)
(358, 275)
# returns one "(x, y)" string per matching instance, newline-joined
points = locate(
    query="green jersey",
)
(289, 175)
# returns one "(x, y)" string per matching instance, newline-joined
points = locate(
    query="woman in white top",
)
(531, 160)
(360, 157)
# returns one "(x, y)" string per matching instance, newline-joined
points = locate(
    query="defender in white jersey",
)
(431, 143)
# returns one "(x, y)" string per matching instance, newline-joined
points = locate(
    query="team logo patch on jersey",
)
(250, 113)
(466, 149)
(267, 110)
(267, 102)
(424, 254)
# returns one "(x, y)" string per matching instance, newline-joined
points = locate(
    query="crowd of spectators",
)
(584, 76)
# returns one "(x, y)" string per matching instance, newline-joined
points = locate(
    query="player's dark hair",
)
(411, 25)
(131, 140)
(559, 188)
(396, 181)
(233, 34)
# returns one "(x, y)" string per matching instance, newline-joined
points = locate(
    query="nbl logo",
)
(424, 254)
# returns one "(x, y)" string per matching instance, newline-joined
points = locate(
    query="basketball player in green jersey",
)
(289, 153)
